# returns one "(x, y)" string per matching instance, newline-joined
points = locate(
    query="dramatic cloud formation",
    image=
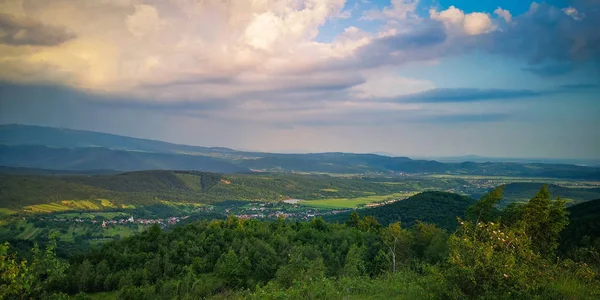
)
(270, 65)
(17, 30)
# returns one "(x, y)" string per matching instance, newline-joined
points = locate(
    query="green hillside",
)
(523, 191)
(148, 187)
(584, 222)
(438, 208)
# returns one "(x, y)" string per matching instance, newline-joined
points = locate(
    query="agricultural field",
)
(93, 215)
(334, 203)
(69, 205)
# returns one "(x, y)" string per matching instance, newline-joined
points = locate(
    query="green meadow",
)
(352, 202)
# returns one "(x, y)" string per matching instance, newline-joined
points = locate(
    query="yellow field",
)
(330, 190)
(67, 205)
(352, 202)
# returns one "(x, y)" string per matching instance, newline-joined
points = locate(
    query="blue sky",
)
(415, 78)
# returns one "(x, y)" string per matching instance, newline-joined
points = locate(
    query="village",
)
(163, 222)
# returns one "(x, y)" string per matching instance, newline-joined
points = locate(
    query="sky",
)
(509, 78)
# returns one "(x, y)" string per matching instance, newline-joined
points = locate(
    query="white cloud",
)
(477, 23)
(504, 14)
(457, 21)
(144, 20)
(573, 13)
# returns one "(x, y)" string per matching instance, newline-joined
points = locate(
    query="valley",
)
(156, 210)
(31, 206)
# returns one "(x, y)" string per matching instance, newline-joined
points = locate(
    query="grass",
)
(191, 181)
(330, 190)
(352, 202)
(29, 232)
(6, 211)
(123, 231)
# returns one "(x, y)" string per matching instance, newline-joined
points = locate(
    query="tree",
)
(483, 210)
(353, 220)
(232, 269)
(543, 220)
(397, 240)
(369, 224)
(23, 279)
(305, 263)
(354, 264)
(429, 242)
(85, 276)
(491, 261)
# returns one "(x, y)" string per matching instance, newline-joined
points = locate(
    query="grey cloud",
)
(189, 80)
(465, 95)
(424, 41)
(52, 94)
(551, 70)
(15, 30)
(321, 85)
(427, 35)
(467, 118)
(548, 34)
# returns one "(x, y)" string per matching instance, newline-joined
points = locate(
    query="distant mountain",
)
(439, 208)
(68, 138)
(66, 149)
(78, 159)
(483, 159)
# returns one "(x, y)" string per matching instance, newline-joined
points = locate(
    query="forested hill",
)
(487, 257)
(147, 187)
(523, 191)
(64, 149)
(584, 226)
(438, 208)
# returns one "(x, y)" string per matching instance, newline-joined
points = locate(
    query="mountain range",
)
(25, 146)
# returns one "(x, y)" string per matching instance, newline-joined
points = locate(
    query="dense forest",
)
(515, 253)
